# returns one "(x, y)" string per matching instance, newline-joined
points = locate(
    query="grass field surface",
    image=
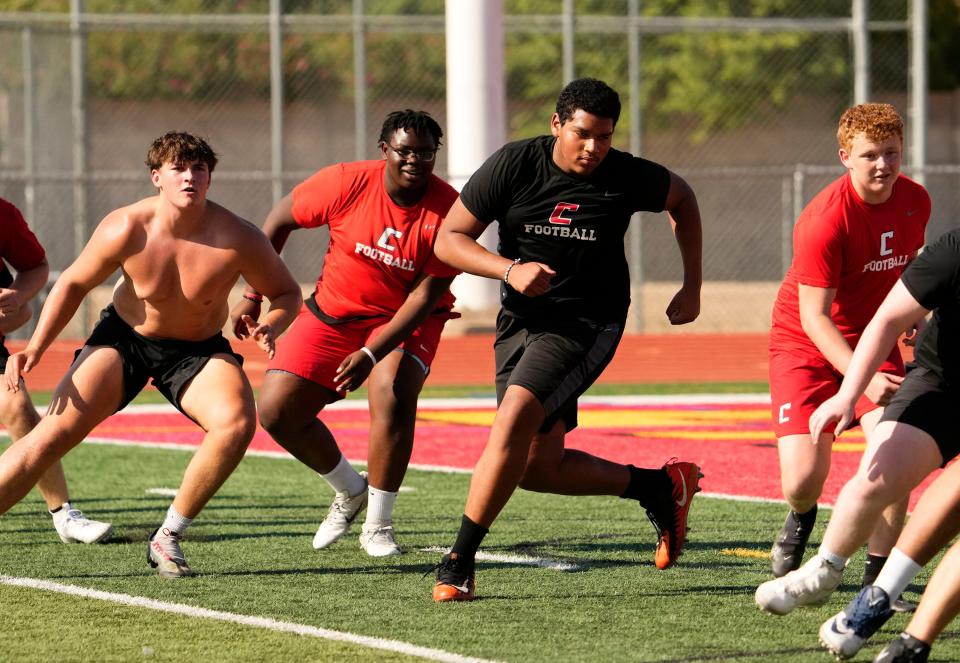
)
(263, 593)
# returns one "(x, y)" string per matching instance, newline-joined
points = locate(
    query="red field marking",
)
(731, 442)
(468, 360)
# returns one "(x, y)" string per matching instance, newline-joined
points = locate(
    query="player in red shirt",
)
(850, 245)
(381, 290)
(19, 247)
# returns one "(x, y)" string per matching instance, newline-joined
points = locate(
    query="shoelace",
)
(449, 571)
(868, 616)
(77, 514)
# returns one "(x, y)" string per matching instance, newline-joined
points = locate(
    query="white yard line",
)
(396, 646)
(524, 560)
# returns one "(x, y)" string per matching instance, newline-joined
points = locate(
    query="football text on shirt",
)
(383, 256)
(884, 264)
(584, 234)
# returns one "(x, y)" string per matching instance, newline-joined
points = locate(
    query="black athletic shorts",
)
(555, 361)
(170, 362)
(4, 355)
(926, 402)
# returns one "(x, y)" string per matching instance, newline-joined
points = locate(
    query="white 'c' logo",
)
(384, 241)
(884, 251)
(784, 417)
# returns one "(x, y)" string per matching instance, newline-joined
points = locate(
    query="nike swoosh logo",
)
(683, 482)
(465, 587)
(617, 194)
(912, 212)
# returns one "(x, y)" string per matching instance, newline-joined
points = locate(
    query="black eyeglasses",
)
(422, 155)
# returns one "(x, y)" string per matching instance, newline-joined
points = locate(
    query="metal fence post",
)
(568, 20)
(635, 236)
(78, 112)
(359, 80)
(860, 35)
(276, 99)
(918, 88)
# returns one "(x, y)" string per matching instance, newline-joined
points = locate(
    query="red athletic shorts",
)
(799, 383)
(313, 349)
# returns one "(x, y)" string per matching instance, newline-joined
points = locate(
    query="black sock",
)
(807, 520)
(468, 539)
(872, 568)
(647, 486)
(53, 511)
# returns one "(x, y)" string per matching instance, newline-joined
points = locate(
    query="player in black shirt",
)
(563, 203)
(916, 435)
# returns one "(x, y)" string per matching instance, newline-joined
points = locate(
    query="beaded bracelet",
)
(506, 274)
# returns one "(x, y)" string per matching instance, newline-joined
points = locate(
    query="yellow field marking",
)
(615, 418)
(745, 552)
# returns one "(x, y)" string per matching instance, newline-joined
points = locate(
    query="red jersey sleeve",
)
(817, 251)
(18, 245)
(318, 198)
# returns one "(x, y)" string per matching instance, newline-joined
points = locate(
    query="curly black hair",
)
(419, 122)
(590, 95)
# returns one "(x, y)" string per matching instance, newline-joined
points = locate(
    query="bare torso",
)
(178, 274)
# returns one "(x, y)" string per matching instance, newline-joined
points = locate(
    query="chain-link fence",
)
(742, 103)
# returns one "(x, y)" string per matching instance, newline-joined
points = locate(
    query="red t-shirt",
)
(860, 249)
(18, 245)
(377, 248)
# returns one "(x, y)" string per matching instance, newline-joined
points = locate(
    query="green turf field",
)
(252, 547)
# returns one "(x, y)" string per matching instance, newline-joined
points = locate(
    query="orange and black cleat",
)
(455, 579)
(670, 517)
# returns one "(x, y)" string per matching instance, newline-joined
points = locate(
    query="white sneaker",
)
(342, 513)
(76, 528)
(845, 633)
(164, 554)
(379, 541)
(811, 584)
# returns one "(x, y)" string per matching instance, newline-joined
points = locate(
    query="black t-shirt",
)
(573, 224)
(934, 281)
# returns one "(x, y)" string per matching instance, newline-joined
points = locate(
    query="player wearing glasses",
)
(381, 289)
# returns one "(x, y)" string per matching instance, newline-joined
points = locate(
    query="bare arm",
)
(277, 227)
(684, 212)
(458, 247)
(14, 311)
(418, 305)
(100, 257)
(265, 272)
(898, 313)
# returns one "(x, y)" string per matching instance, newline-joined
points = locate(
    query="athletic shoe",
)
(77, 528)
(378, 541)
(847, 631)
(164, 554)
(811, 584)
(903, 605)
(669, 517)
(455, 579)
(905, 649)
(787, 552)
(342, 513)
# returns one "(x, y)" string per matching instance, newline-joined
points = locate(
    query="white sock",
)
(60, 514)
(897, 572)
(175, 522)
(834, 560)
(379, 506)
(344, 479)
